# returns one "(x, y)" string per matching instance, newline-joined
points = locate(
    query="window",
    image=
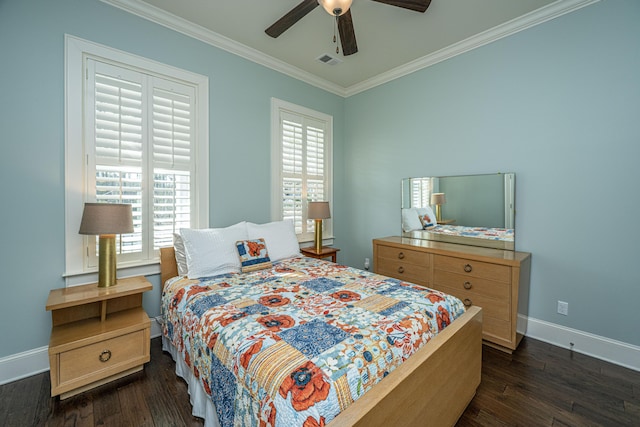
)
(420, 192)
(301, 161)
(136, 130)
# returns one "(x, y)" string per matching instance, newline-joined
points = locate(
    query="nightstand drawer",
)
(406, 256)
(100, 359)
(501, 273)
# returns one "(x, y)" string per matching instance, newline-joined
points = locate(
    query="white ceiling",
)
(392, 41)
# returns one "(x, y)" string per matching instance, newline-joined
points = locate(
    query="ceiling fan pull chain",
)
(335, 30)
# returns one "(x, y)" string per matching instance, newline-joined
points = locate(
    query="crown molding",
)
(159, 16)
(544, 14)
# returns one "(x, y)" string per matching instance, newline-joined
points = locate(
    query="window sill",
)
(82, 278)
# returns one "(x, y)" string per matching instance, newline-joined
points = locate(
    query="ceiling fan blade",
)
(294, 15)
(347, 34)
(417, 5)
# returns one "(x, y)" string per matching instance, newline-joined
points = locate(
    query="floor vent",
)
(325, 58)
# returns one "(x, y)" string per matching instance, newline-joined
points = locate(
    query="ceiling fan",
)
(339, 9)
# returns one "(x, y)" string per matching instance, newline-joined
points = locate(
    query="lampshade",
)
(438, 199)
(336, 7)
(106, 218)
(319, 210)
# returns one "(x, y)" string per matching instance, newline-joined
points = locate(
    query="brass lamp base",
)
(438, 213)
(107, 261)
(318, 236)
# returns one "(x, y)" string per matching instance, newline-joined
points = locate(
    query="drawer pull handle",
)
(400, 269)
(467, 302)
(105, 356)
(468, 268)
(467, 285)
(401, 255)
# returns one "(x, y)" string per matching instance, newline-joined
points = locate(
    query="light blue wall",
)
(32, 140)
(559, 105)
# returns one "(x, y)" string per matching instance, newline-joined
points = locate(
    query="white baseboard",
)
(25, 364)
(617, 352)
(31, 362)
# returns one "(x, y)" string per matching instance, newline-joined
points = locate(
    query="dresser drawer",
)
(486, 270)
(494, 279)
(476, 285)
(493, 308)
(496, 330)
(99, 360)
(417, 274)
(407, 256)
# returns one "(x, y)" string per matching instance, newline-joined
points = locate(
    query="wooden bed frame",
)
(431, 388)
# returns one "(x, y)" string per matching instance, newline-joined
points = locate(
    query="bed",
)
(204, 318)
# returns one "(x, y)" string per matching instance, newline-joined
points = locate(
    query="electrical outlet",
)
(366, 263)
(563, 308)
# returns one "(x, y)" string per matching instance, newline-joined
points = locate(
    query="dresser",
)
(494, 279)
(97, 334)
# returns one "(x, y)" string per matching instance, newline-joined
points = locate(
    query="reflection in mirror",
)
(476, 210)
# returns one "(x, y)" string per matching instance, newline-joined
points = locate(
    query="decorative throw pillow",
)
(426, 221)
(427, 217)
(253, 255)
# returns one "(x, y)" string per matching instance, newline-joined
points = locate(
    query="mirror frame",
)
(508, 203)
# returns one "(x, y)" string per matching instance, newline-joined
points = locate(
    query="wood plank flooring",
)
(539, 385)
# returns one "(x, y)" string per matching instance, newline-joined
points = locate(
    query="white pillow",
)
(280, 237)
(181, 256)
(410, 220)
(212, 251)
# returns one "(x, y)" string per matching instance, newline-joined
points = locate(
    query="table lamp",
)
(438, 200)
(318, 211)
(106, 220)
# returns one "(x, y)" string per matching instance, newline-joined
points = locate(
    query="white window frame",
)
(278, 106)
(77, 51)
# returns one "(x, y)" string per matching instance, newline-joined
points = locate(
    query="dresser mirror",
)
(477, 210)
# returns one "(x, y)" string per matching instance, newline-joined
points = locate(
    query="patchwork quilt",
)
(502, 234)
(296, 343)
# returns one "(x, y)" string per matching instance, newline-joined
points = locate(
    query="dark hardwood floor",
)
(539, 385)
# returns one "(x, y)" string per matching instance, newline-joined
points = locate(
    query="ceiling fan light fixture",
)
(336, 7)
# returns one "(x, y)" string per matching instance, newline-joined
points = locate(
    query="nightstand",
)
(446, 221)
(98, 334)
(325, 252)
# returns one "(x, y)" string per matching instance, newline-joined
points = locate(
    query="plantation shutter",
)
(304, 169)
(420, 192)
(173, 142)
(118, 146)
(141, 151)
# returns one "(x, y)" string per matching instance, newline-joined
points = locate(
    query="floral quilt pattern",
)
(502, 234)
(295, 344)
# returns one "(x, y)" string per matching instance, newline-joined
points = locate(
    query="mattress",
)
(297, 343)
